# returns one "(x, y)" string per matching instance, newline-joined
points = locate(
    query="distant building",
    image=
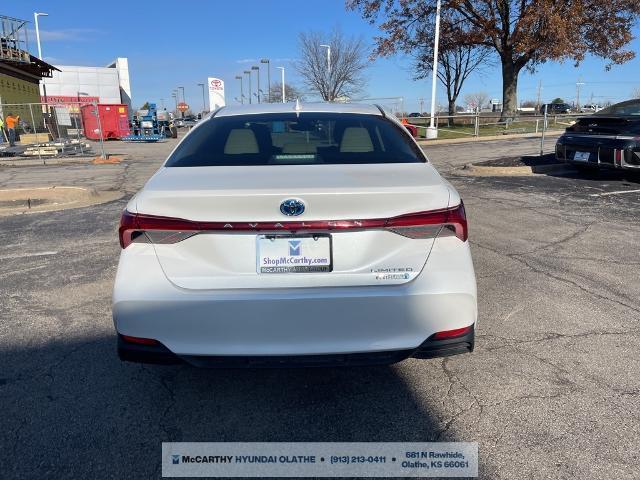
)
(73, 84)
(20, 72)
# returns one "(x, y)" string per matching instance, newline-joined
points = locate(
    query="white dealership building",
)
(73, 84)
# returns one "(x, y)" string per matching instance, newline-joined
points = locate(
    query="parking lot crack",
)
(512, 342)
(520, 258)
(575, 284)
(453, 379)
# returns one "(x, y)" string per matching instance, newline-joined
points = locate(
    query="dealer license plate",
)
(581, 156)
(299, 254)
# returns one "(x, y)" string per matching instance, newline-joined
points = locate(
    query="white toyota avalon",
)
(295, 235)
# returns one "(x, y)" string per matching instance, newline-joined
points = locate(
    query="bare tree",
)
(476, 100)
(529, 104)
(340, 77)
(523, 33)
(457, 62)
(290, 92)
(635, 93)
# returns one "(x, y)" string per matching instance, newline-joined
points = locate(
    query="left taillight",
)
(127, 228)
(136, 228)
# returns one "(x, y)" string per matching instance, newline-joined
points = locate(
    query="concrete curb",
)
(16, 201)
(449, 141)
(34, 162)
(485, 171)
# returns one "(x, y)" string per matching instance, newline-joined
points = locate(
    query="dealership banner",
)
(319, 459)
(216, 93)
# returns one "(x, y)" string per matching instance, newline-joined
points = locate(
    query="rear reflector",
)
(448, 221)
(618, 157)
(458, 332)
(139, 340)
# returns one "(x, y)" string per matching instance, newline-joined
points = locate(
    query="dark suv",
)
(556, 108)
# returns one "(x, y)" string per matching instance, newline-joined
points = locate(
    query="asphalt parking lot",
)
(552, 390)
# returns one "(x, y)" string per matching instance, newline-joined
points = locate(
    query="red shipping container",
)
(114, 119)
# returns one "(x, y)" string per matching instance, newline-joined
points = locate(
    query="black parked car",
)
(609, 138)
(555, 108)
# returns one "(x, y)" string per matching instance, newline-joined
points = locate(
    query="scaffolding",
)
(14, 40)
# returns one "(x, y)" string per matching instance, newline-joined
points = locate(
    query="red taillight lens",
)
(150, 228)
(458, 332)
(127, 227)
(429, 224)
(139, 340)
(154, 229)
(618, 157)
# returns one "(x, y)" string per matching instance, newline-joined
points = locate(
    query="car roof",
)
(324, 107)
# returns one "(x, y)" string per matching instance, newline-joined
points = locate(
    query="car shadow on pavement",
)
(73, 409)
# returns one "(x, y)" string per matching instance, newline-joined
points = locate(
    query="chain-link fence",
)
(42, 131)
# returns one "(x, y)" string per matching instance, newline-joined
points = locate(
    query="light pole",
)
(174, 94)
(248, 72)
(329, 92)
(266, 60)
(239, 77)
(432, 130)
(204, 104)
(183, 100)
(328, 47)
(257, 69)
(579, 83)
(284, 100)
(35, 18)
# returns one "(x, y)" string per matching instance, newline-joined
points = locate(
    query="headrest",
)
(356, 139)
(241, 141)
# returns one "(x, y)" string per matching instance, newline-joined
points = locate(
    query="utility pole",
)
(578, 85)
(421, 100)
(539, 95)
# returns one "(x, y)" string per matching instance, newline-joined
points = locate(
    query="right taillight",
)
(451, 221)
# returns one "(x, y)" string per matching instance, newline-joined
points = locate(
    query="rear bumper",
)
(393, 321)
(604, 152)
(430, 348)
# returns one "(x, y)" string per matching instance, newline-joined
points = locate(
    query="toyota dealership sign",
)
(216, 93)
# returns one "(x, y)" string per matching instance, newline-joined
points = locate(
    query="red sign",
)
(183, 107)
(68, 99)
(216, 84)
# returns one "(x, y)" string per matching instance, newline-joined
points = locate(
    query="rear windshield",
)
(295, 139)
(631, 107)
